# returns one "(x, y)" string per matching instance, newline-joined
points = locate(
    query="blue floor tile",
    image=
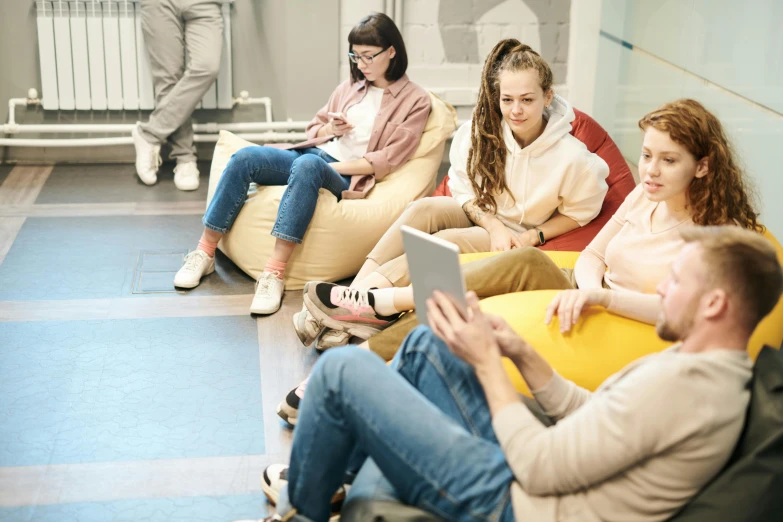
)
(93, 258)
(104, 391)
(189, 509)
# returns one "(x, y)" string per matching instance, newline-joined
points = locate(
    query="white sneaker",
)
(269, 294)
(147, 157)
(331, 338)
(186, 176)
(197, 265)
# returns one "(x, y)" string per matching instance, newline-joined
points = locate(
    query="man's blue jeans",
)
(426, 428)
(305, 171)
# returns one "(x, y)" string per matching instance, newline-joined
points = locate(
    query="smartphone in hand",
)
(338, 117)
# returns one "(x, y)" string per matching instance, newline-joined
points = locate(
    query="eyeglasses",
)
(366, 59)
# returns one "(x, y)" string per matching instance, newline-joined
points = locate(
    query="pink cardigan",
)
(396, 132)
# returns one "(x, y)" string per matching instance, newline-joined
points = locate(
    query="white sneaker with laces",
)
(269, 294)
(147, 157)
(197, 265)
(186, 176)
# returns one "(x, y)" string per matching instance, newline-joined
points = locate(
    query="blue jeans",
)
(305, 171)
(426, 428)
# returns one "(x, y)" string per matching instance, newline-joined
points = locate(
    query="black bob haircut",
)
(379, 30)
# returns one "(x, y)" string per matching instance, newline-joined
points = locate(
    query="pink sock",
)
(207, 246)
(275, 266)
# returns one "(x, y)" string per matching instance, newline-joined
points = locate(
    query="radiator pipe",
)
(126, 128)
(262, 137)
(259, 131)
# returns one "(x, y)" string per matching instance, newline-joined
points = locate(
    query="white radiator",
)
(93, 58)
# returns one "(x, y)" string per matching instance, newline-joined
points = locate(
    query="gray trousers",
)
(172, 27)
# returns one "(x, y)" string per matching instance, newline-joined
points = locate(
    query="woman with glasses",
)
(370, 126)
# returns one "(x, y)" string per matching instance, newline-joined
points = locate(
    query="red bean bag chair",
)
(620, 181)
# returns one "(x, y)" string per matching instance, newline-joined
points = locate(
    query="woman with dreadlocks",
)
(517, 178)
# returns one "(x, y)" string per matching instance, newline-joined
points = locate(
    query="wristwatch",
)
(541, 238)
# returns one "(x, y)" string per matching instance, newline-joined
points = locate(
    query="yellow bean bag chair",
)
(601, 343)
(341, 234)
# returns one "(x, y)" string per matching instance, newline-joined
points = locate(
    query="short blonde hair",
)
(743, 263)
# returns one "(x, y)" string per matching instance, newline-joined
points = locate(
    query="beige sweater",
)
(637, 449)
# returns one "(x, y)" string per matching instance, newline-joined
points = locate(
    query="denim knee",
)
(239, 165)
(420, 340)
(309, 165)
(336, 362)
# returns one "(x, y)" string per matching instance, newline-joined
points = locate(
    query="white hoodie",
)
(555, 172)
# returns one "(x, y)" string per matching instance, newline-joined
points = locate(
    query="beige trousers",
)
(517, 270)
(440, 216)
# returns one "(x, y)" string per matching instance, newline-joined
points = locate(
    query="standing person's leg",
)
(204, 43)
(164, 39)
(357, 401)
(309, 173)
(168, 30)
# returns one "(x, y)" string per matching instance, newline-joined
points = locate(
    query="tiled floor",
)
(4, 171)
(193, 509)
(95, 257)
(114, 183)
(122, 399)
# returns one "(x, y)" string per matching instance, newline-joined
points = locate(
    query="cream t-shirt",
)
(353, 145)
(638, 256)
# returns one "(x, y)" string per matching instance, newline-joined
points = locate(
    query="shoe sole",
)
(273, 497)
(265, 311)
(150, 182)
(287, 413)
(210, 271)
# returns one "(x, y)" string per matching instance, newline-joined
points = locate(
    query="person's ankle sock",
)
(207, 246)
(273, 266)
(382, 301)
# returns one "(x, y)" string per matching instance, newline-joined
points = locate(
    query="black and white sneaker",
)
(275, 477)
(288, 409)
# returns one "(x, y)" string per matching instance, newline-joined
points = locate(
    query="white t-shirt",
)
(353, 145)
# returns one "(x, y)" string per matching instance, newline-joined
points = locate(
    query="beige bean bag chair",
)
(340, 234)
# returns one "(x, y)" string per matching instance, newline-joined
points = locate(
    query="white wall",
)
(447, 40)
(726, 54)
(294, 51)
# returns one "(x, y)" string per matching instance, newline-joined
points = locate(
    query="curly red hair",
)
(724, 195)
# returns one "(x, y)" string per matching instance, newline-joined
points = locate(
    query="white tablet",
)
(434, 265)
